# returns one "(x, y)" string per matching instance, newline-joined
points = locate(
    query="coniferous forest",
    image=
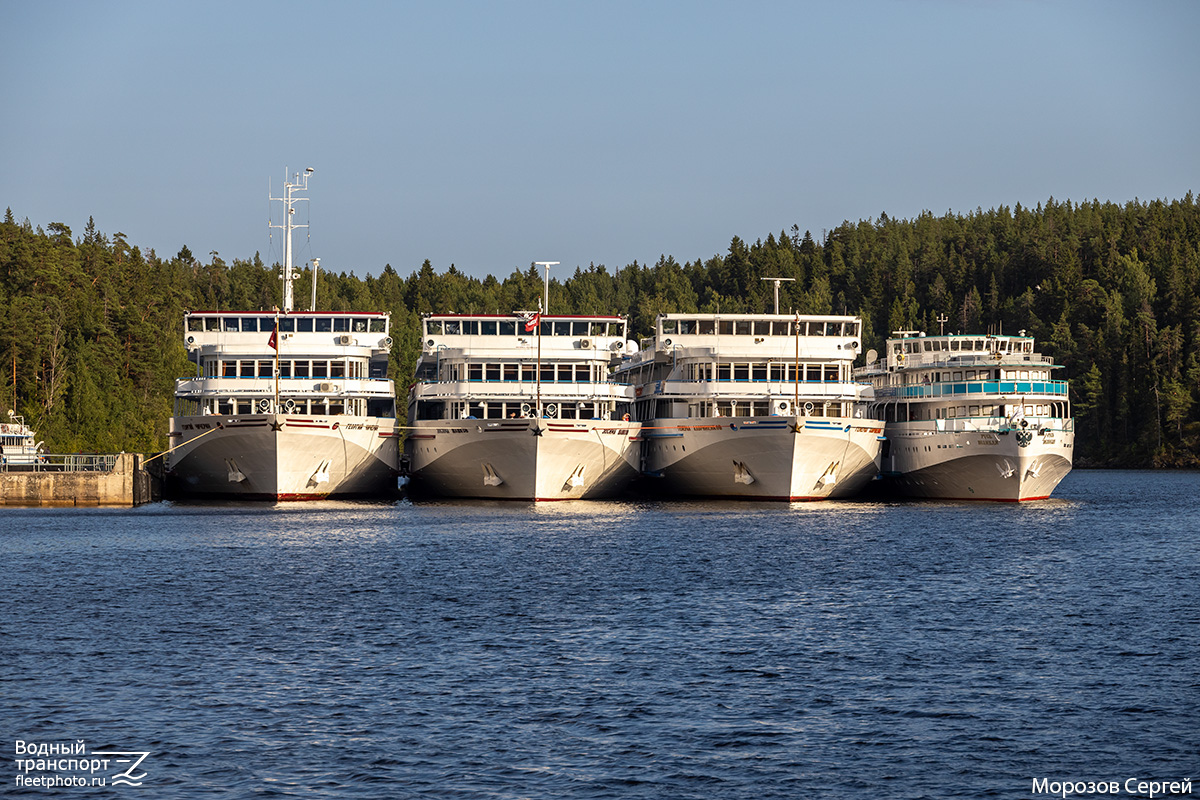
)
(91, 325)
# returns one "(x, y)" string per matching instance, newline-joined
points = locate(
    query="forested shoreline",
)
(91, 325)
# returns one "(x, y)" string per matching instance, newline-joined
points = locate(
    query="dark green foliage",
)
(91, 328)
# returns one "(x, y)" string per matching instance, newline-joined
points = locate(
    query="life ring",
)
(625, 418)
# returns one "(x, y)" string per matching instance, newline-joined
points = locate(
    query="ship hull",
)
(764, 458)
(1012, 466)
(523, 459)
(282, 457)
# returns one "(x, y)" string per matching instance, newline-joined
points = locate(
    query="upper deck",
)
(474, 337)
(232, 333)
(918, 351)
(774, 337)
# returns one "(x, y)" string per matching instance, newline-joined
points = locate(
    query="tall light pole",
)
(777, 282)
(546, 301)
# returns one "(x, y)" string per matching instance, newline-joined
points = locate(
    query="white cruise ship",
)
(284, 405)
(520, 407)
(753, 406)
(971, 417)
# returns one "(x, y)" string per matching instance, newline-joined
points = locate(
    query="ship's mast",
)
(299, 183)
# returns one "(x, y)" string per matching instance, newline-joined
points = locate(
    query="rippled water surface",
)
(613, 650)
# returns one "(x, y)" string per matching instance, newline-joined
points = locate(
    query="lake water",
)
(609, 650)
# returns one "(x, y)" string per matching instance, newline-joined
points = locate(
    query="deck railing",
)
(59, 462)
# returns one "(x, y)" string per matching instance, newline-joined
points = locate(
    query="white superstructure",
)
(18, 443)
(520, 407)
(285, 405)
(971, 417)
(759, 406)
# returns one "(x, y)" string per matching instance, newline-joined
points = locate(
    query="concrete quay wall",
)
(127, 484)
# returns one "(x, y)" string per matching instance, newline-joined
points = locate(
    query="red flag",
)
(273, 342)
(531, 324)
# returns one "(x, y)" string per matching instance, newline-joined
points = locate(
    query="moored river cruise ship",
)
(285, 405)
(758, 406)
(971, 417)
(520, 407)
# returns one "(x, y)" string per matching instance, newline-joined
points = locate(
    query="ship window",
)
(379, 326)
(779, 328)
(195, 323)
(706, 327)
(507, 327)
(582, 373)
(336, 406)
(320, 369)
(958, 376)
(250, 324)
(492, 372)
(475, 372)
(668, 326)
(453, 327)
(579, 329)
(300, 369)
(323, 324)
(722, 372)
(304, 325)
(778, 372)
(287, 325)
(432, 326)
(470, 327)
(741, 372)
(741, 327)
(561, 329)
(812, 372)
(687, 326)
(600, 329)
(528, 372)
(341, 324)
(337, 369)
(285, 369)
(762, 328)
(231, 324)
(487, 328)
(247, 369)
(264, 369)
(229, 369)
(759, 372)
(831, 373)
(512, 372)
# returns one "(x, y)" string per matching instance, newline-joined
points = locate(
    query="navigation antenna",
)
(777, 282)
(941, 321)
(547, 265)
(299, 183)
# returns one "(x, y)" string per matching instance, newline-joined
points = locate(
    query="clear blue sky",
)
(494, 134)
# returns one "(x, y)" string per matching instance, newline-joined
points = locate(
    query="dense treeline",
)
(90, 327)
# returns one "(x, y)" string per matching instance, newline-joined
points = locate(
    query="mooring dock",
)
(76, 480)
